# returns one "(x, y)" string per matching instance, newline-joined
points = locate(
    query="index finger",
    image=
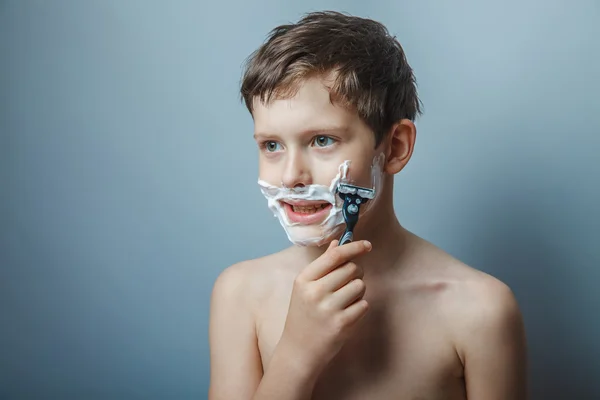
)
(334, 257)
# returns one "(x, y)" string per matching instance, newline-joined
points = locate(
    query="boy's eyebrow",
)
(312, 131)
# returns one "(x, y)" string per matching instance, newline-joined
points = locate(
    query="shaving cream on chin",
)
(333, 224)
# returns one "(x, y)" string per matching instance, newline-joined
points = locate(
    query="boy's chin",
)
(313, 236)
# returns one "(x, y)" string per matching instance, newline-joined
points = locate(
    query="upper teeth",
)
(308, 209)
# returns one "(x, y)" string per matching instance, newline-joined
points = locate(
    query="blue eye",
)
(323, 141)
(271, 146)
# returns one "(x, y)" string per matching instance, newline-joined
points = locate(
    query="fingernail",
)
(368, 245)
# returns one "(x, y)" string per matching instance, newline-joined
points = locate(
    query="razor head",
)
(353, 197)
(365, 193)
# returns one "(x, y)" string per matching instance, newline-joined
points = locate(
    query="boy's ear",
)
(400, 145)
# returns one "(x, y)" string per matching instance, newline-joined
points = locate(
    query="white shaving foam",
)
(318, 234)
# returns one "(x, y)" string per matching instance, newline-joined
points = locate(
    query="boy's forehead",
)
(308, 107)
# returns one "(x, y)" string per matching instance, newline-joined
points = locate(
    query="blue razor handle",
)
(350, 211)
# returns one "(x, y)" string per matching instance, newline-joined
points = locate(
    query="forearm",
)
(287, 378)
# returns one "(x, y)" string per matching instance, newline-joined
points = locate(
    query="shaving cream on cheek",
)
(376, 180)
(333, 224)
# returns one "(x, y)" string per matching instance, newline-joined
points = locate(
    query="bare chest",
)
(396, 354)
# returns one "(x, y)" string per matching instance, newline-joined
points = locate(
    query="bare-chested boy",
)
(388, 316)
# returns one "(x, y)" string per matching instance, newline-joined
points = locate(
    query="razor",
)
(353, 197)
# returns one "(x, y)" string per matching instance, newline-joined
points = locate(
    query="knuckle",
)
(325, 307)
(360, 285)
(299, 281)
(352, 268)
(359, 272)
(364, 306)
(313, 293)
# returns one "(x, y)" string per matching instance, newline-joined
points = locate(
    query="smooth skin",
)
(389, 316)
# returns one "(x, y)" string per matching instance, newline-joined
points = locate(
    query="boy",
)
(387, 316)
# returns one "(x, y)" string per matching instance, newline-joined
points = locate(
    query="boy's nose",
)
(296, 172)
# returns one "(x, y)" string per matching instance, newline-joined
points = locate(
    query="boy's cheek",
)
(270, 172)
(360, 171)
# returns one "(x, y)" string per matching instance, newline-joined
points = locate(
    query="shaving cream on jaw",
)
(318, 234)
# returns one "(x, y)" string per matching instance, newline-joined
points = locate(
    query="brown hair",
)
(371, 71)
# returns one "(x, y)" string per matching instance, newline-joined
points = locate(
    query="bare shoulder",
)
(484, 309)
(478, 301)
(250, 281)
(465, 287)
(485, 314)
(482, 312)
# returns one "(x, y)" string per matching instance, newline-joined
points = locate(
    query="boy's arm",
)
(235, 364)
(494, 353)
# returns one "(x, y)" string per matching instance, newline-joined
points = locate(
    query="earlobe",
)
(401, 143)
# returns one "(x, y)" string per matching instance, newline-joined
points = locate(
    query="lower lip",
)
(306, 218)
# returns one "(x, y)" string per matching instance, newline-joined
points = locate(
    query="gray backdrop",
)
(128, 179)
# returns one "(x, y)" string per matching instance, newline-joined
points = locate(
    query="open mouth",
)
(310, 209)
(306, 212)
